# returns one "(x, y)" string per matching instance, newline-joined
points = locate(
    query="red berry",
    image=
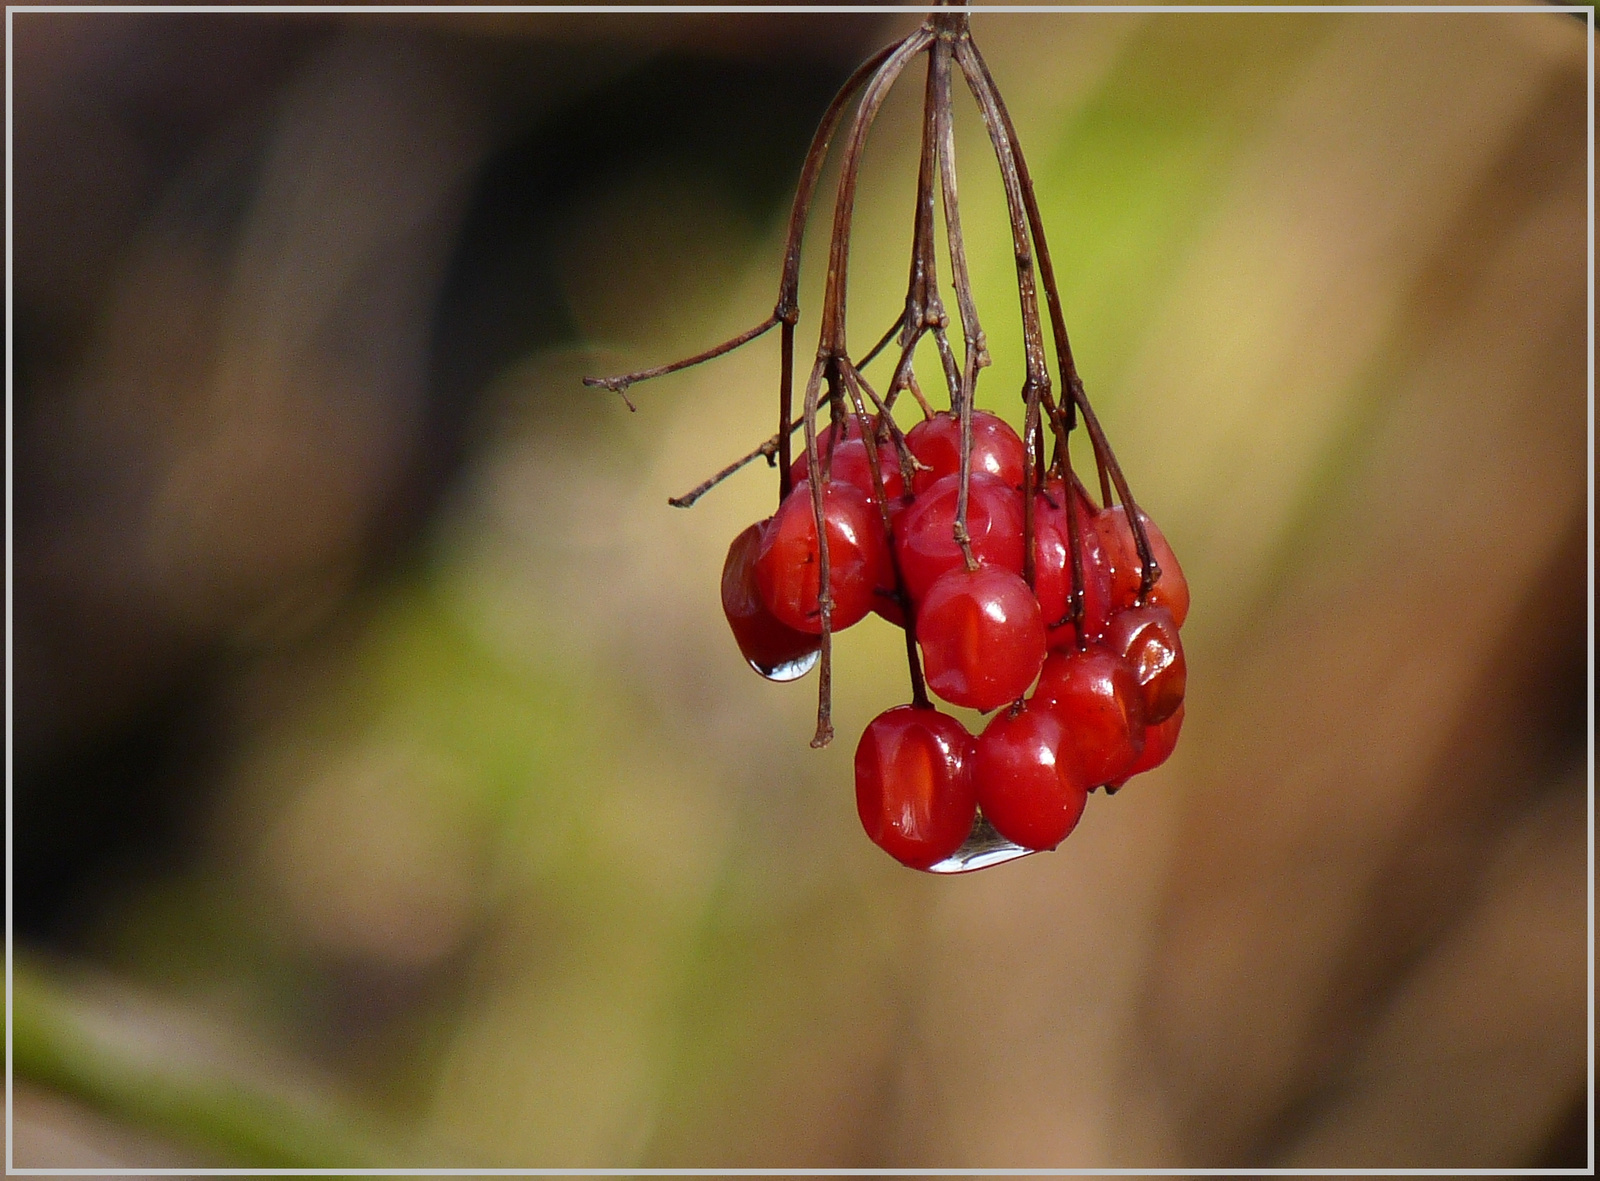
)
(1030, 786)
(776, 651)
(849, 462)
(846, 429)
(1122, 558)
(1052, 572)
(936, 442)
(924, 533)
(886, 606)
(787, 564)
(1096, 695)
(1147, 638)
(914, 788)
(982, 637)
(885, 601)
(1159, 742)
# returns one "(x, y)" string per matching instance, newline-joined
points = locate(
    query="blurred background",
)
(389, 791)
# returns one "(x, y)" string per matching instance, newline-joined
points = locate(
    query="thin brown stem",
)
(1036, 385)
(946, 38)
(916, 392)
(924, 308)
(839, 424)
(886, 423)
(787, 310)
(924, 311)
(947, 359)
(1150, 570)
(853, 383)
(832, 344)
(620, 383)
(824, 734)
(788, 306)
(1074, 548)
(1080, 489)
(1104, 456)
(768, 450)
(883, 342)
(833, 305)
(975, 343)
(963, 390)
(785, 407)
(953, 220)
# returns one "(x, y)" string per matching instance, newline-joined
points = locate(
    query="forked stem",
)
(975, 343)
(832, 338)
(854, 383)
(924, 309)
(767, 451)
(824, 733)
(946, 38)
(1036, 384)
(787, 309)
(832, 347)
(974, 353)
(1105, 458)
(621, 382)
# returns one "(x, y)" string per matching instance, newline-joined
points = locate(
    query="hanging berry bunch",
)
(998, 563)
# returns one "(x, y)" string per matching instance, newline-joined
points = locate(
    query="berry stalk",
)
(967, 548)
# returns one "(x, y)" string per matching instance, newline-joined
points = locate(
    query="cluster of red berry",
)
(1000, 567)
(1107, 677)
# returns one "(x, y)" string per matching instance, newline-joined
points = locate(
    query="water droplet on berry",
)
(982, 848)
(789, 670)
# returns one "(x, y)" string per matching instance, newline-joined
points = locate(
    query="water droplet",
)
(789, 670)
(982, 848)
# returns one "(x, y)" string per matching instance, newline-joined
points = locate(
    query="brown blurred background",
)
(388, 791)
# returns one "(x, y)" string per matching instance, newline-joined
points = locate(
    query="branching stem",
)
(946, 39)
(1036, 384)
(1104, 456)
(833, 349)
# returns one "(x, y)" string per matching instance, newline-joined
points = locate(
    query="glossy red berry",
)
(1052, 574)
(936, 442)
(849, 463)
(1159, 742)
(1122, 560)
(885, 600)
(787, 563)
(924, 533)
(1097, 697)
(1029, 784)
(914, 788)
(844, 429)
(775, 650)
(1147, 638)
(982, 637)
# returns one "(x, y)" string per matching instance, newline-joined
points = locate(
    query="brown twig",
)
(620, 383)
(787, 309)
(767, 450)
(975, 354)
(946, 38)
(883, 343)
(854, 383)
(832, 345)
(1074, 548)
(1104, 456)
(975, 343)
(1036, 384)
